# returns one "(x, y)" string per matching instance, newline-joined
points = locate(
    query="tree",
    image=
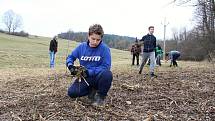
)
(12, 21)
(205, 17)
(17, 22)
(8, 19)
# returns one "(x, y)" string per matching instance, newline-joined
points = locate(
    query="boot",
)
(99, 100)
(91, 95)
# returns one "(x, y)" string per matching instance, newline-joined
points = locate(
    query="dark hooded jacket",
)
(53, 45)
(136, 48)
(149, 43)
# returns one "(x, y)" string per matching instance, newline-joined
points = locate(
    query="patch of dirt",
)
(177, 94)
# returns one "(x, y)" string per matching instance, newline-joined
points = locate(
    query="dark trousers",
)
(158, 60)
(102, 83)
(174, 63)
(174, 58)
(137, 58)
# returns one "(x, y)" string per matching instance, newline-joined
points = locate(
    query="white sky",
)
(121, 17)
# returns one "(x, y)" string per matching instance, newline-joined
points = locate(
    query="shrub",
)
(21, 33)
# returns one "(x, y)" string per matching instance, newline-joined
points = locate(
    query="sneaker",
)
(153, 75)
(91, 95)
(99, 100)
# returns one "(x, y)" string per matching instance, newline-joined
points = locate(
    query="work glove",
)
(73, 69)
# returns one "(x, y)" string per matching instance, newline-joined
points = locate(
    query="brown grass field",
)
(29, 90)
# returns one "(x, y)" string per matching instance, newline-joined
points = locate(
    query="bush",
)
(21, 33)
(2, 31)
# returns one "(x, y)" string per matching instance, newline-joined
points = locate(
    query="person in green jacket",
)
(158, 54)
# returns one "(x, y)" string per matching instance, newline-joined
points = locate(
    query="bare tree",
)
(205, 17)
(12, 21)
(8, 19)
(17, 22)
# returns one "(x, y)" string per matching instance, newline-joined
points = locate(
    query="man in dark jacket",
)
(149, 45)
(52, 51)
(135, 51)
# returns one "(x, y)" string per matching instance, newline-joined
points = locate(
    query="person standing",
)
(149, 45)
(95, 56)
(52, 51)
(135, 51)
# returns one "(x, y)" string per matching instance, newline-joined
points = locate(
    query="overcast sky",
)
(121, 17)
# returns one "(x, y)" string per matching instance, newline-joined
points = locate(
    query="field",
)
(29, 90)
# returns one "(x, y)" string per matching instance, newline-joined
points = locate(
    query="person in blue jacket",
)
(149, 45)
(95, 57)
(173, 56)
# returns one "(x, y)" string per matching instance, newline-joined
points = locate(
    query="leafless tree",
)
(12, 21)
(17, 22)
(8, 19)
(205, 18)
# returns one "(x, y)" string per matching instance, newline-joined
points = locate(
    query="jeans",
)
(52, 59)
(145, 57)
(101, 82)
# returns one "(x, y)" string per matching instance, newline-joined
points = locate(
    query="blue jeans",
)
(52, 58)
(101, 82)
(145, 57)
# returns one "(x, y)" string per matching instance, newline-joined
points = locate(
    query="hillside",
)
(113, 41)
(33, 52)
(29, 90)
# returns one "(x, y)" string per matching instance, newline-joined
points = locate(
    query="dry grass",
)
(31, 91)
(185, 93)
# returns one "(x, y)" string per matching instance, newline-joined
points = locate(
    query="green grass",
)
(32, 52)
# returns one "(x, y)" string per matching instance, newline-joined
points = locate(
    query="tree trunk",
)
(9, 30)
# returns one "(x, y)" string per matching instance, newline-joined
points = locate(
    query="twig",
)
(85, 80)
(41, 118)
(129, 87)
(15, 116)
(52, 115)
(173, 101)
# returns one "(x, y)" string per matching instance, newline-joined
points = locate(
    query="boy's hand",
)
(73, 69)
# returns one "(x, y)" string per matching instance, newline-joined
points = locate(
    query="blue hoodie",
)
(96, 59)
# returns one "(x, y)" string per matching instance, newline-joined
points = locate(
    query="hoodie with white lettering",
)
(96, 59)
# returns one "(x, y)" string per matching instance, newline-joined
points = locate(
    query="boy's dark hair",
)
(159, 47)
(96, 29)
(55, 38)
(151, 27)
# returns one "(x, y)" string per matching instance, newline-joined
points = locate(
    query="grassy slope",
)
(20, 52)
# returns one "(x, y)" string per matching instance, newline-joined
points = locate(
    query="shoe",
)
(140, 72)
(91, 95)
(153, 75)
(99, 100)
